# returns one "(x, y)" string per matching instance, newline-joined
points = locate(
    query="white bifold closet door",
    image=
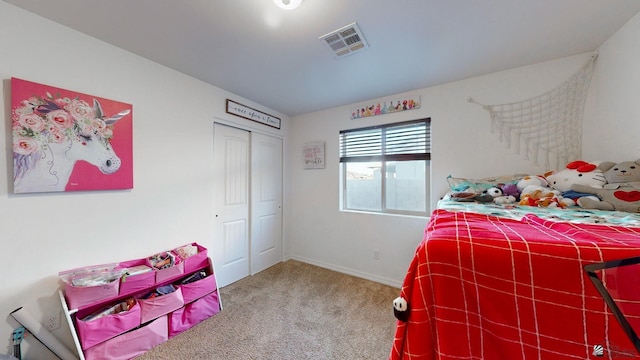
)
(247, 204)
(266, 202)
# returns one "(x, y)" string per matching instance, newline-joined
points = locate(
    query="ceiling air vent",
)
(345, 40)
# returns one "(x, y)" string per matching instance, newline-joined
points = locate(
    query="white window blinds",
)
(410, 140)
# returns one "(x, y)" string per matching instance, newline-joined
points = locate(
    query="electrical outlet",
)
(376, 254)
(52, 322)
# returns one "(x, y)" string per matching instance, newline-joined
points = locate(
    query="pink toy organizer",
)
(148, 322)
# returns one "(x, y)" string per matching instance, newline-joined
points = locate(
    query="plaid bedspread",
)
(485, 287)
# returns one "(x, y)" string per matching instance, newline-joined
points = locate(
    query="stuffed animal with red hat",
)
(576, 173)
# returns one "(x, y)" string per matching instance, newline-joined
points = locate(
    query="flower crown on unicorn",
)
(40, 121)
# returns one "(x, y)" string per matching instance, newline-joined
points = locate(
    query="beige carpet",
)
(292, 311)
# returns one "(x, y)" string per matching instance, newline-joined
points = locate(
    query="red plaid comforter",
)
(483, 287)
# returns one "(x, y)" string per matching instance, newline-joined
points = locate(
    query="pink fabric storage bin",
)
(161, 305)
(78, 296)
(130, 284)
(131, 344)
(172, 272)
(194, 262)
(197, 289)
(194, 313)
(95, 331)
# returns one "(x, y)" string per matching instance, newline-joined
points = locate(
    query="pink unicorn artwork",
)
(62, 141)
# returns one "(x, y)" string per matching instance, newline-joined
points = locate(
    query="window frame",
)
(383, 158)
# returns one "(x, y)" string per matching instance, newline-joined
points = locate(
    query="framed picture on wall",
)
(313, 155)
(68, 141)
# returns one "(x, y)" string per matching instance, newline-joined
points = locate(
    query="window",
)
(384, 168)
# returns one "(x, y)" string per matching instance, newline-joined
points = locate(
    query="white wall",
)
(612, 116)
(171, 202)
(462, 145)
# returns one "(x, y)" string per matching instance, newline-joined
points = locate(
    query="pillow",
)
(477, 186)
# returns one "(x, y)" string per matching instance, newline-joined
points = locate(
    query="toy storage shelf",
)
(149, 321)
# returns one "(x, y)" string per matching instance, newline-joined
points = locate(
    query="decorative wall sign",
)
(68, 141)
(387, 106)
(313, 155)
(252, 114)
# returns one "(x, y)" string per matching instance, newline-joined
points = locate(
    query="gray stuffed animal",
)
(622, 191)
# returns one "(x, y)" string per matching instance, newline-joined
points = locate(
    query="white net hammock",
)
(547, 127)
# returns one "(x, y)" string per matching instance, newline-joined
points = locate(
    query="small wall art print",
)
(387, 106)
(313, 154)
(69, 141)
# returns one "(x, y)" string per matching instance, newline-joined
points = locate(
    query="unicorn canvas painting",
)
(67, 141)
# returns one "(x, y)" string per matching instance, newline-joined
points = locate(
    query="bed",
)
(493, 281)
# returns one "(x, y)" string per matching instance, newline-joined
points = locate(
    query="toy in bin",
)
(193, 256)
(194, 277)
(123, 306)
(92, 276)
(187, 251)
(162, 290)
(167, 265)
(86, 285)
(163, 260)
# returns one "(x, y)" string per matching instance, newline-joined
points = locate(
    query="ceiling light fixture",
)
(287, 4)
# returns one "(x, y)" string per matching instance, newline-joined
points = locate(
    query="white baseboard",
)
(348, 271)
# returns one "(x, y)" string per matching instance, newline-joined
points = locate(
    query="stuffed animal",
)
(541, 196)
(576, 173)
(531, 180)
(529, 184)
(622, 191)
(494, 191)
(401, 309)
(499, 197)
(511, 190)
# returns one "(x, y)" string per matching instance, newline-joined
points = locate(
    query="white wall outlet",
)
(52, 321)
(376, 254)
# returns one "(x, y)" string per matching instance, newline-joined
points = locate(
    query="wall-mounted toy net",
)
(548, 126)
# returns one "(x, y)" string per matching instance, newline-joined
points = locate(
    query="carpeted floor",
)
(292, 311)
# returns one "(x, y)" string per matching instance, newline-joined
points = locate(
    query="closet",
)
(247, 202)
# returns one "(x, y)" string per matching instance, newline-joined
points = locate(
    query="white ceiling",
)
(274, 57)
